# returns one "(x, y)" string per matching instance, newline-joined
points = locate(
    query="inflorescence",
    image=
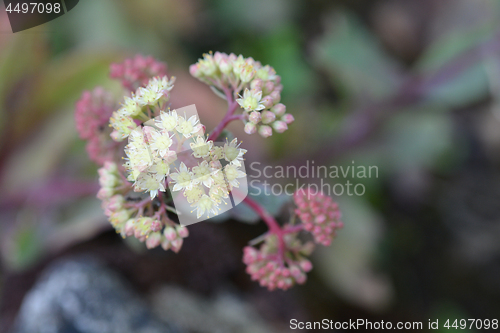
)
(138, 144)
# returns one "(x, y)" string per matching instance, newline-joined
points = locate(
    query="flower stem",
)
(273, 226)
(232, 105)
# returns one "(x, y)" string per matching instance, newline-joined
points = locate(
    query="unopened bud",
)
(170, 233)
(267, 101)
(288, 118)
(276, 96)
(280, 126)
(194, 70)
(268, 87)
(153, 240)
(279, 109)
(256, 84)
(255, 117)
(268, 117)
(182, 231)
(265, 131)
(250, 128)
(176, 245)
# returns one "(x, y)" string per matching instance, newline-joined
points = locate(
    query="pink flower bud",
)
(268, 117)
(279, 109)
(218, 56)
(280, 126)
(129, 227)
(288, 118)
(276, 96)
(267, 101)
(225, 66)
(153, 240)
(256, 84)
(105, 193)
(116, 136)
(176, 245)
(250, 128)
(265, 131)
(195, 71)
(306, 265)
(268, 87)
(165, 244)
(156, 226)
(182, 231)
(255, 117)
(170, 234)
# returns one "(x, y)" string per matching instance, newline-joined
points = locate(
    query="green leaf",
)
(417, 139)
(355, 60)
(347, 265)
(469, 85)
(24, 245)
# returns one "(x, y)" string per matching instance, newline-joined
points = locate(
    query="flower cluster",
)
(208, 182)
(319, 214)
(167, 148)
(136, 72)
(267, 266)
(138, 107)
(92, 113)
(149, 153)
(127, 217)
(260, 85)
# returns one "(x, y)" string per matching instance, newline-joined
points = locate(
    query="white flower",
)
(218, 193)
(233, 153)
(148, 96)
(160, 168)
(201, 147)
(188, 127)
(124, 125)
(217, 153)
(154, 91)
(203, 174)
(130, 107)
(251, 100)
(232, 172)
(149, 183)
(160, 142)
(205, 204)
(194, 194)
(167, 121)
(161, 84)
(183, 178)
(139, 158)
(247, 71)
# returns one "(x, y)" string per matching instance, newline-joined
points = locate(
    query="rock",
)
(224, 312)
(82, 296)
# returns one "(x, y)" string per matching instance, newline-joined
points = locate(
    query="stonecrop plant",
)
(153, 160)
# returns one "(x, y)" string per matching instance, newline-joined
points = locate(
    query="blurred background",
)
(410, 86)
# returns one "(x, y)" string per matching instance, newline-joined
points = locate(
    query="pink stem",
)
(231, 108)
(273, 226)
(292, 229)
